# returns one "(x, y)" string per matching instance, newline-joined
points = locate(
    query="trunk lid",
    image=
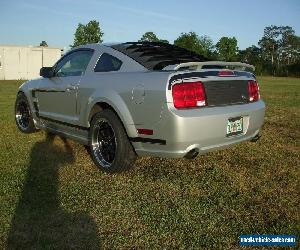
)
(219, 90)
(229, 92)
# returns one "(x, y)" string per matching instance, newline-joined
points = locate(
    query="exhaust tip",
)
(255, 138)
(192, 154)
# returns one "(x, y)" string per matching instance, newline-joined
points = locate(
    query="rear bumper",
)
(203, 130)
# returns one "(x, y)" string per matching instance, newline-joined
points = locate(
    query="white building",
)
(25, 62)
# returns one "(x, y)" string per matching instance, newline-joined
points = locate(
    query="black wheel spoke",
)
(109, 145)
(22, 114)
(104, 142)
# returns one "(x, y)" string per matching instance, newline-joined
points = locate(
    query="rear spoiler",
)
(211, 65)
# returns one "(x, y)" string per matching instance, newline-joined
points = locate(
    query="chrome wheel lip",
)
(100, 144)
(22, 115)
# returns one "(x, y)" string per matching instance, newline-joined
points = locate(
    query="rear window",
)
(107, 63)
(157, 55)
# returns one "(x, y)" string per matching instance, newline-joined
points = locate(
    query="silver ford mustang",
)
(142, 98)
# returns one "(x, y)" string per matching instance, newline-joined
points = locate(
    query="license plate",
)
(234, 126)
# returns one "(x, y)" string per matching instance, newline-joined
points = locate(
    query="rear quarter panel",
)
(137, 97)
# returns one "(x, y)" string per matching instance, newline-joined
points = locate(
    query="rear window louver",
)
(157, 55)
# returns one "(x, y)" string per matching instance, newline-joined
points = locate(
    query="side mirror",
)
(46, 72)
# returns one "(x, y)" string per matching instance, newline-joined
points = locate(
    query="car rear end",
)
(207, 110)
(206, 105)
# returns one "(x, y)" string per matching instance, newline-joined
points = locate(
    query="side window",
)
(107, 63)
(73, 64)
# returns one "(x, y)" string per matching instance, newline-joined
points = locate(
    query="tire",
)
(23, 115)
(109, 145)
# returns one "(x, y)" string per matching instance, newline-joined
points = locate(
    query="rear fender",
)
(116, 102)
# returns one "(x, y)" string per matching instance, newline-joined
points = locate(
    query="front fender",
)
(27, 88)
(117, 103)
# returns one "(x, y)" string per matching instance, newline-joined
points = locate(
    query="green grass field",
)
(53, 197)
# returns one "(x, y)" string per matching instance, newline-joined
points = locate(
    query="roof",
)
(157, 55)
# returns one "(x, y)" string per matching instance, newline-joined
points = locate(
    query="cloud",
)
(138, 11)
(58, 11)
(38, 7)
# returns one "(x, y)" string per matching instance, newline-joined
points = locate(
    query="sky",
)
(28, 22)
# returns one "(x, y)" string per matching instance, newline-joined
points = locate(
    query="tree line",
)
(277, 52)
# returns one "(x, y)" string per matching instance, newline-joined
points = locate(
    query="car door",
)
(57, 96)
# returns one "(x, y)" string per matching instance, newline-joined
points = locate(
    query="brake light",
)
(188, 95)
(253, 90)
(226, 73)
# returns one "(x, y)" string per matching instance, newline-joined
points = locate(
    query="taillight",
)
(188, 95)
(253, 90)
(145, 131)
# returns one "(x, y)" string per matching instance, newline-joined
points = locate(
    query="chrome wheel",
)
(23, 115)
(109, 145)
(104, 143)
